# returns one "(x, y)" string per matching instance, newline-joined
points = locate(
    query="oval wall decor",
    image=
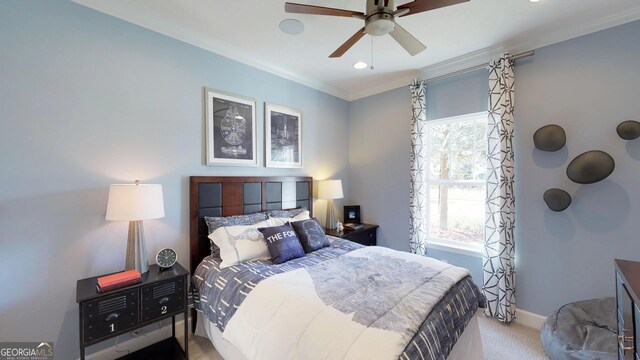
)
(549, 138)
(590, 167)
(557, 199)
(629, 130)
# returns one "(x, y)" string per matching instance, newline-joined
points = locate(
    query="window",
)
(457, 182)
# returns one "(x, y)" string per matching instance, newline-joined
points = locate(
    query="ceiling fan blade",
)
(407, 41)
(348, 44)
(319, 10)
(418, 6)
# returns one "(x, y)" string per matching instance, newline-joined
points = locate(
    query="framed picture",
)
(231, 129)
(283, 136)
(352, 214)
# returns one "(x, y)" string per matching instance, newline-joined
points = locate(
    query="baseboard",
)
(138, 342)
(523, 317)
(529, 319)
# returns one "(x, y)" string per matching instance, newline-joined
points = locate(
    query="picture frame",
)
(351, 214)
(283, 136)
(231, 134)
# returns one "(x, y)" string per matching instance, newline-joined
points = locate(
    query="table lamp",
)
(329, 190)
(134, 203)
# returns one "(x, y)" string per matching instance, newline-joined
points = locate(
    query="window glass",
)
(456, 175)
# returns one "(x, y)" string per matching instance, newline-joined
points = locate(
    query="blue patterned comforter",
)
(221, 292)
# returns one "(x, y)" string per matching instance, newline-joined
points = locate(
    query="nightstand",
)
(364, 236)
(160, 295)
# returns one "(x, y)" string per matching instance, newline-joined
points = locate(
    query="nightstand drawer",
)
(163, 299)
(110, 315)
(365, 237)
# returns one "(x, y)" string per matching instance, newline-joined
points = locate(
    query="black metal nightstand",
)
(160, 295)
(367, 235)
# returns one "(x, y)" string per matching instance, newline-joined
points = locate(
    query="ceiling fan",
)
(380, 19)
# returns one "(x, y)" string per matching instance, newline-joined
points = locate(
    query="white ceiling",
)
(457, 36)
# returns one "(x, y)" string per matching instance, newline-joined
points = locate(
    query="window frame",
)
(439, 243)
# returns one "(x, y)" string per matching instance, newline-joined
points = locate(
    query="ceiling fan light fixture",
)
(291, 26)
(379, 24)
(360, 65)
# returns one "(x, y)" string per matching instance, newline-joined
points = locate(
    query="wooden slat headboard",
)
(230, 195)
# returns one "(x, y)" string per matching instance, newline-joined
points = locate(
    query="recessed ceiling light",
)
(360, 65)
(291, 26)
(534, 1)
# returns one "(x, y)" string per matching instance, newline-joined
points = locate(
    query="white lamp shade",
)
(330, 189)
(135, 202)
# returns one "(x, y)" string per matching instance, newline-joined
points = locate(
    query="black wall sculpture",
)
(629, 130)
(549, 138)
(590, 167)
(557, 199)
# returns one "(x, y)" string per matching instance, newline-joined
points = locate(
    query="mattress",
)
(363, 302)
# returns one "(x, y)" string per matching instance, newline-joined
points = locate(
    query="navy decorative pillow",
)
(216, 222)
(311, 235)
(282, 243)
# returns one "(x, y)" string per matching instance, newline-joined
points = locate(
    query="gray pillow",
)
(289, 213)
(311, 234)
(282, 243)
(214, 223)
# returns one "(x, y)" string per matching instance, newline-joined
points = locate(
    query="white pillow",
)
(241, 243)
(281, 221)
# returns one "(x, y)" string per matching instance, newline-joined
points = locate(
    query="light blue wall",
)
(587, 85)
(379, 146)
(87, 100)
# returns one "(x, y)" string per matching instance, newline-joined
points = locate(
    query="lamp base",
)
(136, 249)
(330, 220)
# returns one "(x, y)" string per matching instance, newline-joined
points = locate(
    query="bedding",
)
(289, 213)
(282, 242)
(240, 243)
(303, 215)
(344, 300)
(310, 234)
(214, 222)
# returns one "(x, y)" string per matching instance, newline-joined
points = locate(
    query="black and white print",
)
(499, 247)
(283, 137)
(418, 187)
(231, 129)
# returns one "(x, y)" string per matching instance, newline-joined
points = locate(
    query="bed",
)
(342, 300)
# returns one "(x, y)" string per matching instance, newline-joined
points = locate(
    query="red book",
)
(118, 278)
(118, 286)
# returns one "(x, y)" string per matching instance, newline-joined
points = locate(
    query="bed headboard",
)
(231, 195)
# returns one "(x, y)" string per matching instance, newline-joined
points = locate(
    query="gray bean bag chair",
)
(582, 330)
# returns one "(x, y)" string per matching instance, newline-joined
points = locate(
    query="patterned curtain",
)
(499, 247)
(418, 205)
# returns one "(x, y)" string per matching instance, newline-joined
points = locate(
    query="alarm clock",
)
(166, 258)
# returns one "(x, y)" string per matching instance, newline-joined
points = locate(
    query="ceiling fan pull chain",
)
(371, 52)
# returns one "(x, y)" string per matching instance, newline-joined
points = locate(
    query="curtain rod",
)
(478, 67)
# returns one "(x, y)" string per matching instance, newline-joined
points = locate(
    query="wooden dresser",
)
(628, 308)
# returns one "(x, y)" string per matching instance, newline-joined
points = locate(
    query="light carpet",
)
(509, 342)
(500, 342)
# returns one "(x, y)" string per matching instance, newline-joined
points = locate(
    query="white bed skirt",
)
(468, 347)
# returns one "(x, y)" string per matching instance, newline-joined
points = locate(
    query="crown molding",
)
(514, 46)
(218, 48)
(472, 59)
(240, 56)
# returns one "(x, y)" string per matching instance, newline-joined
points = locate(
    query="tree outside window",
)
(457, 180)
